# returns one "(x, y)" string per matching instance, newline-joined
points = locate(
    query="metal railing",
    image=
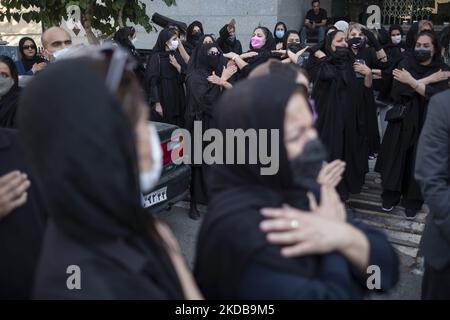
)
(406, 11)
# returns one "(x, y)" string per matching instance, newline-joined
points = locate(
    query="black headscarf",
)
(28, 63)
(91, 184)
(321, 44)
(411, 36)
(200, 59)
(195, 59)
(230, 238)
(277, 40)
(270, 41)
(390, 44)
(189, 34)
(163, 37)
(286, 36)
(332, 56)
(9, 102)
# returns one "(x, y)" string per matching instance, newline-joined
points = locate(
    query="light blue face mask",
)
(279, 34)
(5, 85)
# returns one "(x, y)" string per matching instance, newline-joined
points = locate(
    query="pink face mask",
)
(257, 42)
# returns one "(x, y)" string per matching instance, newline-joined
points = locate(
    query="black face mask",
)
(231, 40)
(196, 36)
(357, 43)
(422, 55)
(342, 52)
(295, 47)
(306, 167)
(213, 61)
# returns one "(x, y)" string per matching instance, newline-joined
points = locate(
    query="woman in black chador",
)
(247, 245)
(413, 87)
(165, 78)
(94, 159)
(204, 88)
(341, 116)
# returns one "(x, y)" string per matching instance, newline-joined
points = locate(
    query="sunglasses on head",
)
(31, 46)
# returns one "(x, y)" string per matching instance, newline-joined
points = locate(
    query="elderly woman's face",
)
(298, 126)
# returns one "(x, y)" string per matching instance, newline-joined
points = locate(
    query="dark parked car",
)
(175, 179)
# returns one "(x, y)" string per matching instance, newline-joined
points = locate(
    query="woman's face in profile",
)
(298, 126)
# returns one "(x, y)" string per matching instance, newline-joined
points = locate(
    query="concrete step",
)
(391, 222)
(374, 207)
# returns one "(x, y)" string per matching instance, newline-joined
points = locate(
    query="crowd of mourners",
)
(76, 142)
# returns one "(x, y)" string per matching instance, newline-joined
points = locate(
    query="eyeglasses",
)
(117, 58)
(214, 53)
(31, 46)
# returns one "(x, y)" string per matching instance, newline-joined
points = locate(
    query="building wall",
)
(214, 14)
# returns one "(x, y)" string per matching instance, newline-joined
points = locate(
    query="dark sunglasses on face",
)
(31, 46)
(214, 53)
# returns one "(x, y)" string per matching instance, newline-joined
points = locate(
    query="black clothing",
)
(317, 18)
(202, 96)
(22, 231)
(192, 40)
(395, 54)
(368, 54)
(433, 172)
(8, 108)
(435, 283)
(97, 222)
(342, 119)
(165, 84)
(283, 39)
(231, 243)
(396, 160)
(228, 45)
(264, 54)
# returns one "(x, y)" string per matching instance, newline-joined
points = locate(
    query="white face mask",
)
(60, 53)
(396, 39)
(149, 179)
(5, 85)
(174, 45)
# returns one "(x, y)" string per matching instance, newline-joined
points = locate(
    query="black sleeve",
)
(324, 14)
(202, 93)
(152, 78)
(332, 281)
(238, 47)
(382, 255)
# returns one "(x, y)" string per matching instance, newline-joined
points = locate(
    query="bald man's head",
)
(55, 39)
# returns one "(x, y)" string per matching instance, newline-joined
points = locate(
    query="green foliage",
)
(107, 14)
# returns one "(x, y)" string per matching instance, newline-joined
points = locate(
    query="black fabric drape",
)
(397, 156)
(226, 44)
(230, 237)
(22, 231)
(83, 152)
(341, 119)
(8, 108)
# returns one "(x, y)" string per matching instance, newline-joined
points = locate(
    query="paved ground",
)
(186, 231)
